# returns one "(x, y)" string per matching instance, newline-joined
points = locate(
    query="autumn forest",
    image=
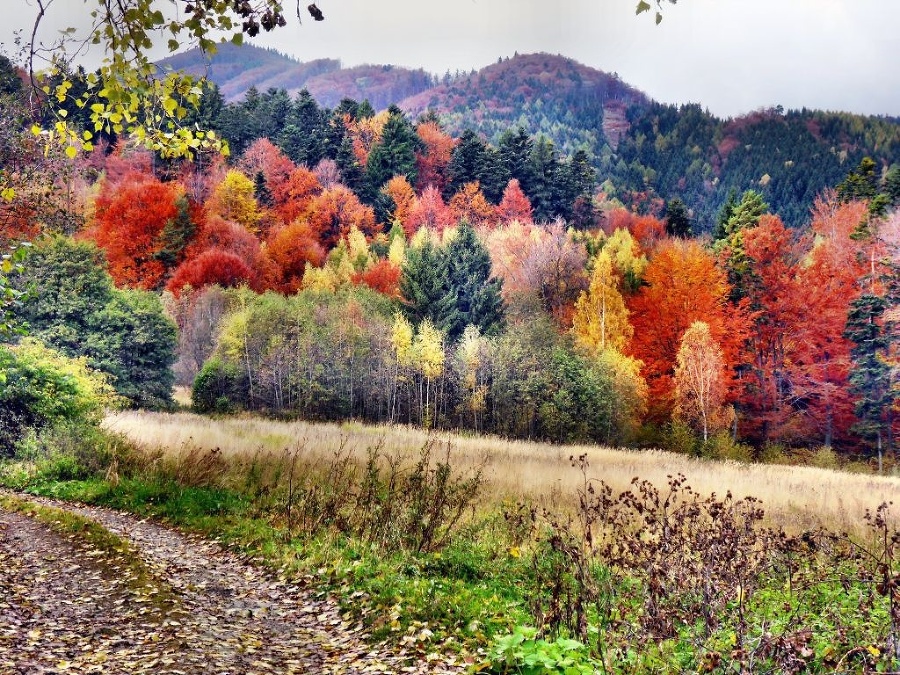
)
(363, 264)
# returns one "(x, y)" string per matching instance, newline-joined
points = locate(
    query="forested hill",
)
(789, 157)
(236, 69)
(645, 153)
(577, 107)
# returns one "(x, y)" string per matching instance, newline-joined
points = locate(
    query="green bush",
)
(74, 308)
(41, 388)
(679, 437)
(723, 446)
(216, 387)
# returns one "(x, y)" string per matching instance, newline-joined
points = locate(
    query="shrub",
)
(723, 446)
(42, 388)
(215, 387)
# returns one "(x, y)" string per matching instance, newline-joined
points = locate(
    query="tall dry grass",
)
(795, 498)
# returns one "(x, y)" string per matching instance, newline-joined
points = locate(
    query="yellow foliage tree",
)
(428, 351)
(601, 318)
(627, 258)
(234, 199)
(336, 273)
(630, 401)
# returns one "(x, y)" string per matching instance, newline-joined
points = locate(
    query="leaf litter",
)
(187, 606)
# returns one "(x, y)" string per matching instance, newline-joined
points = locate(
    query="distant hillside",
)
(576, 106)
(787, 156)
(645, 152)
(236, 69)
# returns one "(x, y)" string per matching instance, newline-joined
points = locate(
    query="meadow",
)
(795, 498)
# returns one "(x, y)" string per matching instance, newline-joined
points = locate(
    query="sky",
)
(731, 56)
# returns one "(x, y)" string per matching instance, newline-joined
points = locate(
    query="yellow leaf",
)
(71, 152)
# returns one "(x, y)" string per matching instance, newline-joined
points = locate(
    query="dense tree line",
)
(399, 274)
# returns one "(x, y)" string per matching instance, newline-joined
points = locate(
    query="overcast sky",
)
(732, 56)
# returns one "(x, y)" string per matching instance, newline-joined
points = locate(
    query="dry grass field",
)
(793, 497)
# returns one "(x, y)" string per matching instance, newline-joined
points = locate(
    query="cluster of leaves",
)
(128, 93)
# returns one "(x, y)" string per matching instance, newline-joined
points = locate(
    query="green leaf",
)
(643, 6)
(238, 39)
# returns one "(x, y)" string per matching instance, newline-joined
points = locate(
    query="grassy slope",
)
(796, 498)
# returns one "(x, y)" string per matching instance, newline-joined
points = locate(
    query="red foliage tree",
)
(683, 285)
(383, 276)
(213, 266)
(266, 158)
(774, 258)
(129, 217)
(227, 236)
(429, 210)
(514, 205)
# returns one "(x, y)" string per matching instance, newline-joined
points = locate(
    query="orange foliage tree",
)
(129, 217)
(291, 248)
(514, 205)
(683, 285)
(469, 204)
(403, 196)
(432, 161)
(293, 196)
(332, 214)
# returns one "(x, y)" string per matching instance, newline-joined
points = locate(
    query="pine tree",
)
(395, 153)
(678, 220)
(472, 296)
(423, 283)
(304, 136)
(870, 377)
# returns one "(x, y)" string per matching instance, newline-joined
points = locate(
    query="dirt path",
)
(68, 608)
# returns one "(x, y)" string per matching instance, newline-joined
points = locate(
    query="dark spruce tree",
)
(395, 153)
(472, 296)
(678, 220)
(304, 137)
(870, 378)
(514, 153)
(423, 284)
